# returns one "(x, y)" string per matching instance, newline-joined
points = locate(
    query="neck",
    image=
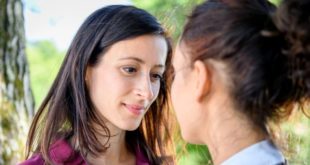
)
(117, 153)
(227, 133)
(226, 130)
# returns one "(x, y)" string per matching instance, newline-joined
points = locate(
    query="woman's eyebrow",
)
(141, 61)
(133, 58)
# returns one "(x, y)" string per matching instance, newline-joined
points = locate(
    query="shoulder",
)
(60, 152)
(34, 160)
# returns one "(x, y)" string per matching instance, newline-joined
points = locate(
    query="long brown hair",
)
(266, 51)
(67, 109)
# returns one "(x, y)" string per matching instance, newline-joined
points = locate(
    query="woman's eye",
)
(156, 77)
(129, 70)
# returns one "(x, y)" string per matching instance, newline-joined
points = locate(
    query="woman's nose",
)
(144, 88)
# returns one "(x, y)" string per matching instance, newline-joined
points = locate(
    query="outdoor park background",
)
(49, 27)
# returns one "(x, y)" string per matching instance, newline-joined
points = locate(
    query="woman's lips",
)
(135, 109)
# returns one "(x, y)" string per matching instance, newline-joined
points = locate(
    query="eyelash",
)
(157, 76)
(131, 70)
(128, 68)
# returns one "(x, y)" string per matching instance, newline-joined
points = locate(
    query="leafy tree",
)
(16, 100)
(171, 13)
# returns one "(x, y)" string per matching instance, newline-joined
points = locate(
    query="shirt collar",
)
(264, 152)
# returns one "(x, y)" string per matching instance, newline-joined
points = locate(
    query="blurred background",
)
(34, 37)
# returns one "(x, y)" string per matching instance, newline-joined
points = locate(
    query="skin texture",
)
(123, 85)
(181, 93)
(205, 110)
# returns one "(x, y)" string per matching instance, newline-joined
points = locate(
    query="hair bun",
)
(293, 20)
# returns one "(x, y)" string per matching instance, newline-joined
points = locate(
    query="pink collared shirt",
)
(62, 153)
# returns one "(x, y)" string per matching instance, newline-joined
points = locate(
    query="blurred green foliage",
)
(296, 133)
(276, 2)
(171, 13)
(189, 154)
(45, 60)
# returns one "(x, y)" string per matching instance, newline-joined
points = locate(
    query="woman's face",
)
(126, 80)
(183, 98)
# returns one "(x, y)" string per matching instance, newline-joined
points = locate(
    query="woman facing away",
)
(109, 102)
(241, 66)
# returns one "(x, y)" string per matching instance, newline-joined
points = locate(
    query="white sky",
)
(59, 20)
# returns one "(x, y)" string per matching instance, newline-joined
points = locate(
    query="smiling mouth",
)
(134, 109)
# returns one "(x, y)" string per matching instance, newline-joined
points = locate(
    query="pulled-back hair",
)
(266, 51)
(67, 111)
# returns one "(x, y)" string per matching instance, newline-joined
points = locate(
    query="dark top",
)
(62, 153)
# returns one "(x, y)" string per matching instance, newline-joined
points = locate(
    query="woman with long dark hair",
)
(109, 101)
(240, 67)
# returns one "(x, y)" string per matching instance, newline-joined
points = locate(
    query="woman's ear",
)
(203, 79)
